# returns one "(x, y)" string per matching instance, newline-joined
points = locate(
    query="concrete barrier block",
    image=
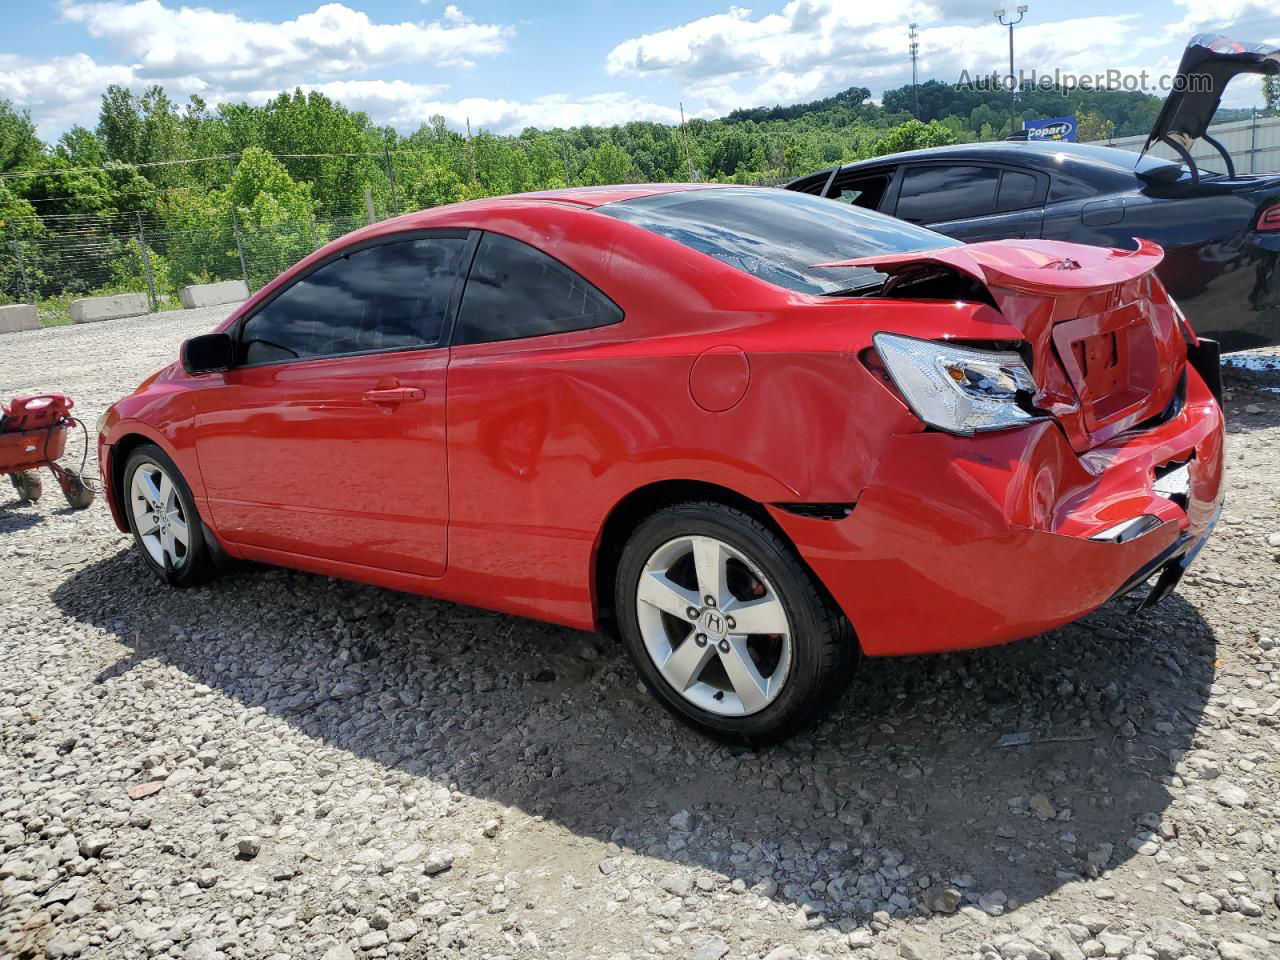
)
(212, 294)
(18, 316)
(93, 309)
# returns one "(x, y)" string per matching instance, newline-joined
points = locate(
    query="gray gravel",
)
(280, 765)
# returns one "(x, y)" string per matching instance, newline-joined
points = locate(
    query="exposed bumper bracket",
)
(1171, 563)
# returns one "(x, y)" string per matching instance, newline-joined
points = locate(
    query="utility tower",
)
(915, 55)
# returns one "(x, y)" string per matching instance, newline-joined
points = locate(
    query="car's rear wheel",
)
(727, 626)
(163, 518)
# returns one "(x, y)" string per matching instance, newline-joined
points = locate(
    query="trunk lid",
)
(1208, 64)
(1107, 345)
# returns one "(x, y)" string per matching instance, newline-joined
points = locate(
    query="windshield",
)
(777, 235)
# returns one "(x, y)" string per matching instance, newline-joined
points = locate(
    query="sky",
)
(505, 64)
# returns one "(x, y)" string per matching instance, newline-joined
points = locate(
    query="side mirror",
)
(207, 353)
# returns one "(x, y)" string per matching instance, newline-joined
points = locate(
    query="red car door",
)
(327, 439)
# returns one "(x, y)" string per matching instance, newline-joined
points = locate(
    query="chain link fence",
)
(52, 261)
(60, 260)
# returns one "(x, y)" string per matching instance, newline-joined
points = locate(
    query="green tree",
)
(263, 192)
(273, 212)
(18, 224)
(609, 164)
(145, 131)
(913, 135)
(735, 149)
(1091, 126)
(321, 142)
(431, 185)
(196, 237)
(20, 147)
(76, 179)
(1271, 94)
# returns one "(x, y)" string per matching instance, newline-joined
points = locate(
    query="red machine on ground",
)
(33, 434)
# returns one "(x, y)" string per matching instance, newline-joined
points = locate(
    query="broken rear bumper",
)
(962, 542)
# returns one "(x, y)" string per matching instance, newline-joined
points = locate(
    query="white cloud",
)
(231, 52)
(372, 96)
(225, 57)
(812, 48)
(407, 105)
(782, 53)
(60, 92)
(67, 90)
(552, 110)
(1250, 21)
(805, 35)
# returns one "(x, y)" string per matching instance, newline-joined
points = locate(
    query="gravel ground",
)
(280, 765)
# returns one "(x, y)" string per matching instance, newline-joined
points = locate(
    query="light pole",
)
(1013, 82)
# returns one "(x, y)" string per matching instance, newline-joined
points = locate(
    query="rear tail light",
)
(958, 389)
(1270, 218)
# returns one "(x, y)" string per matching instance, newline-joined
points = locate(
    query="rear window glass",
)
(778, 235)
(1017, 191)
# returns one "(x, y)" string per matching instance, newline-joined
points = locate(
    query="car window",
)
(515, 291)
(1018, 191)
(385, 297)
(864, 191)
(1066, 183)
(940, 192)
(777, 235)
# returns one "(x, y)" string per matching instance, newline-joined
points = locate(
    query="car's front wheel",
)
(727, 626)
(163, 518)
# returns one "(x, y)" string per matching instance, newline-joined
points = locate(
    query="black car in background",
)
(1220, 231)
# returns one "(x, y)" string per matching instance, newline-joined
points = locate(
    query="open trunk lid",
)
(1208, 65)
(1108, 350)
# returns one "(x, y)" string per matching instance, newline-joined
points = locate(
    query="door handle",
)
(394, 395)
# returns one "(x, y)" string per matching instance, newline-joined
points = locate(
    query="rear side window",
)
(515, 291)
(941, 192)
(386, 297)
(1018, 191)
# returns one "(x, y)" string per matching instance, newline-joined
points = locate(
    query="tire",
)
(753, 688)
(79, 495)
(28, 484)
(174, 548)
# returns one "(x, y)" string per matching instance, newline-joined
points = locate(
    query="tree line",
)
(213, 186)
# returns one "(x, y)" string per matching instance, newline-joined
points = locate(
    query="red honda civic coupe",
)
(755, 433)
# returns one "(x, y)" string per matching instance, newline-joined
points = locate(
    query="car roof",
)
(1030, 153)
(447, 214)
(612, 193)
(585, 197)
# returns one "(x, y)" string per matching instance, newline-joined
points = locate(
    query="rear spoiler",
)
(1027, 266)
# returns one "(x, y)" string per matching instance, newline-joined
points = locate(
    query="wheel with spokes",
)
(727, 626)
(163, 518)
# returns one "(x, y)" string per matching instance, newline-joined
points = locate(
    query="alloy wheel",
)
(714, 626)
(158, 516)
